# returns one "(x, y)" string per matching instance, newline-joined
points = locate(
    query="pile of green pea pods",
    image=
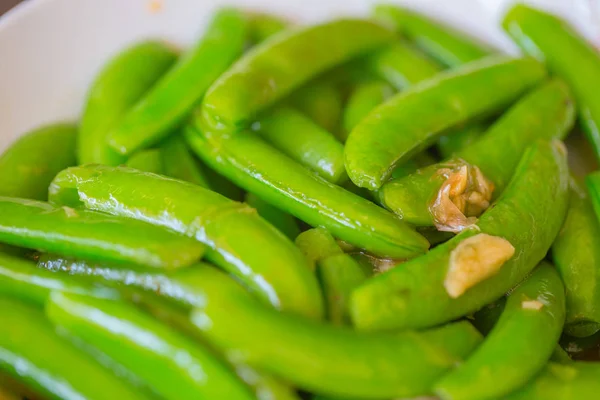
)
(376, 208)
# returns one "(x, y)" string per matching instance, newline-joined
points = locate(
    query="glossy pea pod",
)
(326, 359)
(423, 293)
(269, 263)
(545, 113)
(167, 104)
(275, 68)
(119, 85)
(446, 45)
(30, 348)
(29, 164)
(260, 169)
(425, 111)
(149, 160)
(363, 99)
(461, 138)
(518, 346)
(171, 364)
(88, 234)
(567, 54)
(278, 218)
(320, 100)
(577, 258)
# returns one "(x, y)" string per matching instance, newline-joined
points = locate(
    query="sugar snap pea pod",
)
(518, 346)
(577, 258)
(421, 160)
(173, 365)
(278, 218)
(545, 113)
(29, 164)
(88, 234)
(30, 348)
(459, 139)
(443, 43)
(262, 26)
(410, 121)
(592, 182)
(179, 163)
(147, 160)
(272, 70)
(480, 264)
(165, 106)
(120, 84)
(260, 169)
(269, 264)
(326, 359)
(578, 380)
(317, 244)
(363, 99)
(567, 54)
(321, 101)
(304, 141)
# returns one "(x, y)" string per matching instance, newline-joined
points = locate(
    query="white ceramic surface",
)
(50, 50)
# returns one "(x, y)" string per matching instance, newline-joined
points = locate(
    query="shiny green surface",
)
(529, 215)
(268, 263)
(423, 112)
(363, 99)
(317, 244)
(100, 237)
(278, 218)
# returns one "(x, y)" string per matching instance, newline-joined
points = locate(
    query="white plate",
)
(50, 50)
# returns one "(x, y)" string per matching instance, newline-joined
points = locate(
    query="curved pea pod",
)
(448, 46)
(29, 164)
(410, 121)
(274, 69)
(30, 348)
(363, 99)
(262, 26)
(545, 113)
(87, 234)
(179, 163)
(269, 263)
(578, 380)
(167, 104)
(167, 361)
(317, 244)
(278, 218)
(326, 359)
(147, 160)
(120, 84)
(260, 169)
(461, 138)
(576, 254)
(304, 141)
(518, 346)
(436, 287)
(567, 54)
(321, 101)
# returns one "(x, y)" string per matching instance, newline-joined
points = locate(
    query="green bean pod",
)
(28, 165)
(545, 113)
(178, 162)
(278, 218)
(410, 121)
(275, 68)
(363, 99)
(461, 138)
(120, 84)
(171, 364)
(567, 54)
(518, 346)
(258, 168)
(419, 293)
(167, 104)
(262, 26)
(149, 160)
(317, 244)
(321, 101)
(32, 352)
(574, 381)
(269, 263)
(577, 258)
(304, 141)
(326, 359)
(592, 182)
(87, 234)
(448, 46)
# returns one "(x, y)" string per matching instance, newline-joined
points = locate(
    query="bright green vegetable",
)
(32, 352)
(278, 218)
(317, 244)
(167, 104)
(426, 110)
(275, 68)
(262, 26)
(171, 364)
(321, 101)
(567, 54)
(268, 263)
(28, 165)
(362, 101)
(178, 162)
(460, 139)
(120, 84)
(518, 346)
(100, 237)
(428, 290)
(147, 160)
(258, 168)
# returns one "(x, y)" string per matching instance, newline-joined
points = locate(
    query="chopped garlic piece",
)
(532, 304)
(474, 260)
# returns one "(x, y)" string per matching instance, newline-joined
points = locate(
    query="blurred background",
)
(6, 5)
